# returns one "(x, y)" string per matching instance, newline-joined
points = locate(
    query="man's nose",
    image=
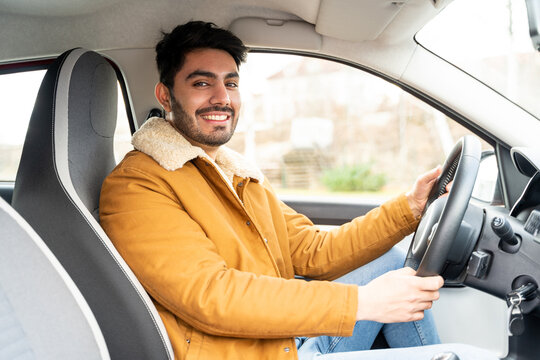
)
(220, 96)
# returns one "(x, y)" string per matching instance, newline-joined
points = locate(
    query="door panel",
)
(328, 212)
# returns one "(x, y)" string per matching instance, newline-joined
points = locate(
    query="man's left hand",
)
(418, 195)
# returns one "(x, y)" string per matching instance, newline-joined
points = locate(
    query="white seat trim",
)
(64, 276)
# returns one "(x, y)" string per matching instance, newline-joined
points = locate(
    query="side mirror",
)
(486, 180)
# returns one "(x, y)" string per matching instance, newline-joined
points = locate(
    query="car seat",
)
(43, 316)
(67, 153)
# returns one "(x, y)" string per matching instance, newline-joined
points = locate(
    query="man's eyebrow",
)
(210, 74)
(204, 73)
(232, 75)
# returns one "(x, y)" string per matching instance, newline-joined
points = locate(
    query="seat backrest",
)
(67, 153)
(43, 315)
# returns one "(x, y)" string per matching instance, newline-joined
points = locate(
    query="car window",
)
(16, 110)
(321, 128)
(18, 93)
(490, 40)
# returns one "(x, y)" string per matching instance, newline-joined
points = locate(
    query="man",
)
(218, 252)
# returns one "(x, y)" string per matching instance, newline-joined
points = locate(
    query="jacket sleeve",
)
(328, 255)
(182, 270)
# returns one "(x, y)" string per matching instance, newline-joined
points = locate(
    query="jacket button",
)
(287, 349)
(248, 223)
(188, 341)
(266, 240)
(240, 184)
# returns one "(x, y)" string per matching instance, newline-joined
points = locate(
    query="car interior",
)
(96, 59)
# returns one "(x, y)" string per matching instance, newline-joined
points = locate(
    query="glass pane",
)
(486, 180)
(317, 127)
(490, 40)
(122, 135)
(18, 93)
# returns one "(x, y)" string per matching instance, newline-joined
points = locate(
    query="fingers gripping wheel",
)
(442, 217)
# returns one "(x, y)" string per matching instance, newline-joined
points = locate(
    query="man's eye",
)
(201, 84)
(232, 85)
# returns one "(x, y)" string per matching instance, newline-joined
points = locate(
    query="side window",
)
(18, 93)
(318, 127)
(16, 110)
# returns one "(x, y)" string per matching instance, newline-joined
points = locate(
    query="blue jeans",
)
(404, 338)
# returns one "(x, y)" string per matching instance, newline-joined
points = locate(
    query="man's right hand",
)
(397, 296)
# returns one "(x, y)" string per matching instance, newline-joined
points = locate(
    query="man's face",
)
(205, 101)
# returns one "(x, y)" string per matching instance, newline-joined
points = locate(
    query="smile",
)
(214, 117)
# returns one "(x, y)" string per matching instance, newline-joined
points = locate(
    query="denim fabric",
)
(398, 335)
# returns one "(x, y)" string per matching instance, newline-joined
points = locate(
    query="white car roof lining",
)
(319, 27)
(93, 24)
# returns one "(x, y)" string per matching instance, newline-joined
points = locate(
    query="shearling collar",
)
(159, 140)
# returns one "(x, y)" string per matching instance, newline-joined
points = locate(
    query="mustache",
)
(215, 108)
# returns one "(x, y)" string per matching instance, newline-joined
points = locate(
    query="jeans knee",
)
(396, 257)
(393, 259)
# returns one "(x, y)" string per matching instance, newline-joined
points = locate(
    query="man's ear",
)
(163, 96)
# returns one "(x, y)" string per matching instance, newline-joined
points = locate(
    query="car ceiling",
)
(375, 34)
(35, 28)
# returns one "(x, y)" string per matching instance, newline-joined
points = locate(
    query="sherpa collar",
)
(159, 140)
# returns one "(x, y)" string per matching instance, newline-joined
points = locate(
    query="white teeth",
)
(216, 117)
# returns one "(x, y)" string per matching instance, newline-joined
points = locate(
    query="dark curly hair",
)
(171, 50)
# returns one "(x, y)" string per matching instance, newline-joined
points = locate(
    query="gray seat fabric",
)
(67, 153)
(43, 316)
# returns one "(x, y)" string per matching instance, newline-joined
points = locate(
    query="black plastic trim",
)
(6, 190)
(512, 181)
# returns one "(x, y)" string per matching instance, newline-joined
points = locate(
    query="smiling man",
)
(218, 251)
(208, 86)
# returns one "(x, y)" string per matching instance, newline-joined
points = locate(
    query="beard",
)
(188, 126)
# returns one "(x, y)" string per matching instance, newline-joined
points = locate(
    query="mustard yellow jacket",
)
(219, 259)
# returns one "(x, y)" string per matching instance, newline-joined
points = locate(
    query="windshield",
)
(489, 39)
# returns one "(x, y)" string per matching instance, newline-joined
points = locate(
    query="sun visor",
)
(526, 160)
(279, 34)
(356, 20)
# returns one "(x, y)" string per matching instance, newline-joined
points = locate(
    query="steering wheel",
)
(442, 216)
